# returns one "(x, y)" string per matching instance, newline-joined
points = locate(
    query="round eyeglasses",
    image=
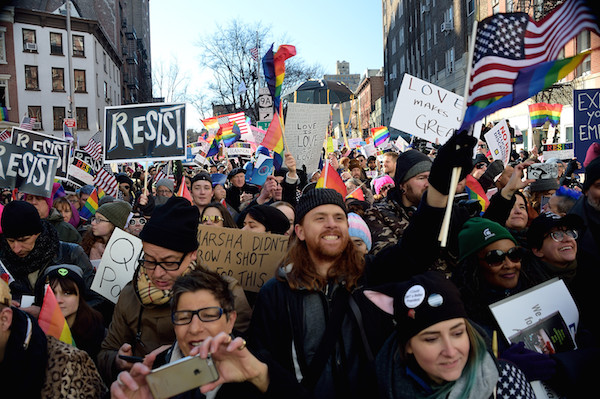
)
(560, 235)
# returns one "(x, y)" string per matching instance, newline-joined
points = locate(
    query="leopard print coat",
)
(70, 373)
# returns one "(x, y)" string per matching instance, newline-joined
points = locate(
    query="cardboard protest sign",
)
(118, 264)
(563, 151)
(45, 144)
(305, 128)
(426, 111)
(498, 140)
(586, 124)
(148, 132)
(249, 257)
(30, 171)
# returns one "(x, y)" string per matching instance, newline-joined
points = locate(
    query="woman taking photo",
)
(435, 351)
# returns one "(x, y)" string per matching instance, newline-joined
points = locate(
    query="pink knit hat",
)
(592, 153)
(382, 181)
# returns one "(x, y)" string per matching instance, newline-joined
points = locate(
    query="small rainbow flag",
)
(475, 191)
(230, 133)
(542, 112)
(183, 191)
(331, 179)
(273, 139)
(91, 205)
(51, 319)
(211, 123)
(3, 114)
(380, 135)
(357, 193)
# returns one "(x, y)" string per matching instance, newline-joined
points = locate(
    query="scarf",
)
(567, 273)
(147, 292)
(26, 356)
(42, 254)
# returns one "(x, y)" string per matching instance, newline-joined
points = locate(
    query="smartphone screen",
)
(181, 376)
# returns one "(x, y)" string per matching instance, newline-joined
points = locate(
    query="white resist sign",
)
(118, 264)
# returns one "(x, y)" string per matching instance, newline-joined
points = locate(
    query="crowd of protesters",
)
(366, 302)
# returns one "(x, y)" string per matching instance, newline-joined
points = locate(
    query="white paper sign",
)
(426, 111)
(370, 149)
(519, 311)
(498, 140)
(305, 129)
(118, 264)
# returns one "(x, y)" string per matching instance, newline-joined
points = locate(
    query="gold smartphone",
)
(180, 376)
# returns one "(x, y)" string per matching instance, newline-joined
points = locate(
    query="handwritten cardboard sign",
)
(30, 171)
(149, 132)
(426, 110)
(118, 264)
(305, 128)
(45, 144)
(498, 139)
(586, 114)
(249, 257)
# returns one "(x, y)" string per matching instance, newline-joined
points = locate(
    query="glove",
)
(535, 366)
(458, 151)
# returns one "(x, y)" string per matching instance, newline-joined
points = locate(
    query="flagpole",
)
(443, 236)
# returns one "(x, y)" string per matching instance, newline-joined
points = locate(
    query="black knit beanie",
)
(424, 300)
(317, 197)
(272, 218)
(20, 219)
(173, 225)
(592, 173)
(409, 164)
(544, 185)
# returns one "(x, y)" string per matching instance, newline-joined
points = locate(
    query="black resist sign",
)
(145, 131)
(44, 144)
(29, 171)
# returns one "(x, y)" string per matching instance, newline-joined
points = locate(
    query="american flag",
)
(508, 43)
(5, 135)
(254, 53)
(240, 119)
(106, 180)
(163, 173)
(94, 146)
(27, 123)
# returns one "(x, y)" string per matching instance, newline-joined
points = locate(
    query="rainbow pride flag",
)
(542, 112)
(230, 133)
(51, 319)
(380, 135)
(331, 179)
(357, 193)
(274, 67)
(3, 114)
(475, 191)
(211, 123)
(529, 82)
(183, 191)
(273, 139)
(91, 205)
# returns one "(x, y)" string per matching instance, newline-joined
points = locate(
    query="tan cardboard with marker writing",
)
(251, 258)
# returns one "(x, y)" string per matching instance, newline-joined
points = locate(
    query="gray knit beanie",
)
(168, 183)
(117, 212)
(317, 197)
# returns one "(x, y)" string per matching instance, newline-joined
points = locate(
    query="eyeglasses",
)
(167, 266)
(183, 317)
(140, 221)
(95, 219)
(213, 219)
(560, 235)
(496, 257)
(163, 192)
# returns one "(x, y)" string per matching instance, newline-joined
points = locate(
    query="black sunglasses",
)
(496, 257)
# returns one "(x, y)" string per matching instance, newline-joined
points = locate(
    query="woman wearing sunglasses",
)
(215, 214)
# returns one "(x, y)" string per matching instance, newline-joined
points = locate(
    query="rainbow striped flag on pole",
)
(380, 135)
(331, 179)
(542, 112)
(91, 205)
(51, 319)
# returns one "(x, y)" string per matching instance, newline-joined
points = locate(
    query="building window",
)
(58, 79)
(78, 47)
(584, 44)
(510, 7)
(496, 9)
(82, 118)
(106, 95)
(29, 42)
(31, 77)
(79, 75)
(58, 114)
(2, 45)
(450, 60)
(470, 7)
(4, 98)
(56, 43)
(104, 61)
(35, 111)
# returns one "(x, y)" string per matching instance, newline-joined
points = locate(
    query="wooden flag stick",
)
(443, 237)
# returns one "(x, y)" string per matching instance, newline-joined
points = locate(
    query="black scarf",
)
(42, 254)
(24, 365)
